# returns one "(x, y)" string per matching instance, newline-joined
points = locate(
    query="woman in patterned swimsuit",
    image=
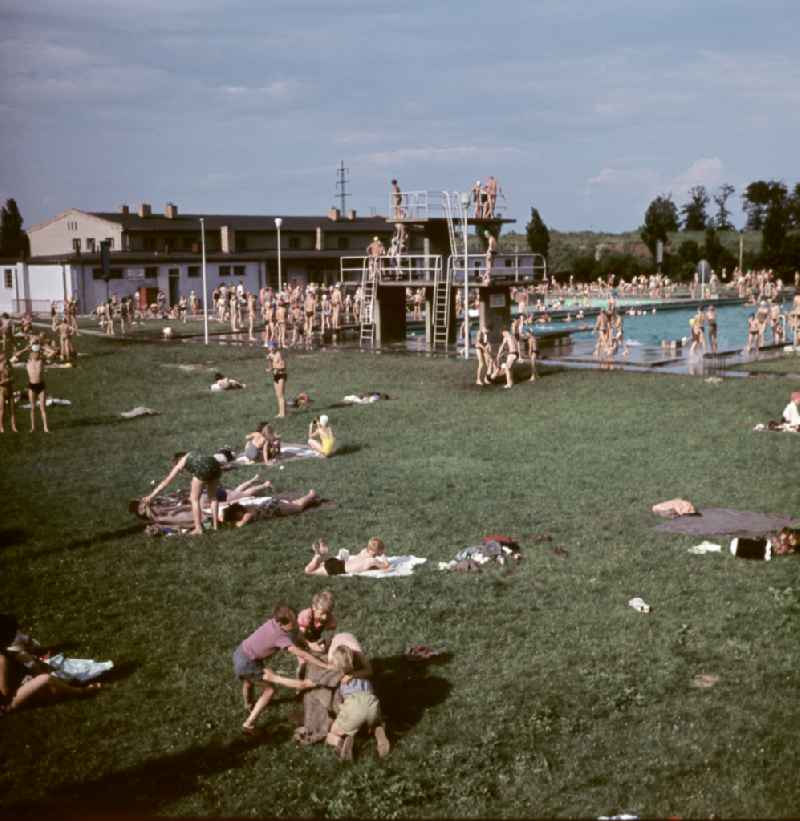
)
(205, 472)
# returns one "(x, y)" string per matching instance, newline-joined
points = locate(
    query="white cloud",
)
(625, 178)
(454, 153)
(276, 90)
(705, 171)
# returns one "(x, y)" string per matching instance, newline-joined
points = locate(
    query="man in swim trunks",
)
(277, 366)
(310, 307)
(491, 253)
(753, 334)
(491, 194)
(483, 350)
(510, 347)
(711, 327)
(397, 201)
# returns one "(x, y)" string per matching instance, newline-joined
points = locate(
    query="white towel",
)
(398, 566)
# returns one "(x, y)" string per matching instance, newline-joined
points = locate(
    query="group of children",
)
(37, 350)
(508, 352)
(355, 704)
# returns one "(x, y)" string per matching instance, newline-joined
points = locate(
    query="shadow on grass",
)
(89, 421)
(406, 689)
(148, 787)
(93, 541)
(347, 449)
(11, 536)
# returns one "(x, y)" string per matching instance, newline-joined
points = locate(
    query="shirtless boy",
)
(483, 349)
(277, 366)
(66, 348)
(7, 394)
(491, 253)
(491, 192)
(310, 307)
(372, 557)
(36, 386)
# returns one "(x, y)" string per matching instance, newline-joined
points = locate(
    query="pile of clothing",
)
(495, 548)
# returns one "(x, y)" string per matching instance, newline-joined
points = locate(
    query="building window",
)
(110, 241)
(508, 263)
(8, 277)
(151, 272)
(343, 243)
(239, 270)
(294, 243)
(224, 270)
(193, 271)
(76, 245)
(90, 245)
(114, 273)
(149, 244)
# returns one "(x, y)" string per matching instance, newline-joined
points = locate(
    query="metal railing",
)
(422, 205)
(408, 268)
(514, 267)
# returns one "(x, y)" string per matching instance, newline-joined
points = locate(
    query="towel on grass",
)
(398, 566)
(721, 521)
(78, 670)
(288, 452)
(50, 401)
(780, 427)
(140, 410)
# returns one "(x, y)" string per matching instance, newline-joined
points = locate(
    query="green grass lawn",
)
(555, 698)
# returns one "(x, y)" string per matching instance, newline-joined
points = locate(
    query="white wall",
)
(56, 236)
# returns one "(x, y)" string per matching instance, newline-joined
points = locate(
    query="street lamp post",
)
(278, 222)
(205, 287)
(464, 213)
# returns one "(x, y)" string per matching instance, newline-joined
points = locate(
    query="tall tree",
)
(13, 240)
(694, 213)
(660, 218)
(722, 220)
(538, 235)
(776, 222)
(755, 200)
(794, 207)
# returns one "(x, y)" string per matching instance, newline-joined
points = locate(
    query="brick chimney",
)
(171, 210)
(145, 210)
(124, 210)
(351, 214)
(334, 214)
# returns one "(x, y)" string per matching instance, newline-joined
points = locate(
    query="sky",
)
(584, 110)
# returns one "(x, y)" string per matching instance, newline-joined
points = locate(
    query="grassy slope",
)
(557, 700)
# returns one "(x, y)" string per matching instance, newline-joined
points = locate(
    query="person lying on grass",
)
(241, 515)
(360, 706)
(249, 662)
(246, 490)
(205, 472)
(372, 557)
(225, 383)
(320, 436)
(21, 684)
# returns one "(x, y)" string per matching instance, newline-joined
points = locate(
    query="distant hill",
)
(565, 246)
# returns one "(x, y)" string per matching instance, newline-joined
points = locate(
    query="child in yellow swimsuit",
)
(320, 436)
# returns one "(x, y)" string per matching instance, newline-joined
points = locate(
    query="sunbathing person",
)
(226, 383)
(28, 683)
(241, 515)
(320, 436)
(262, 445)
(205, 472)
(246, 490)
(372, 557)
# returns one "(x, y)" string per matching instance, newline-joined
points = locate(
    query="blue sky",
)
(586, 110)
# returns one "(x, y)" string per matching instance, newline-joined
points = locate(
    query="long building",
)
(153, 251)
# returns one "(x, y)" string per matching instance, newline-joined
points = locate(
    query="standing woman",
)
(483, 350)
(205, 472)
(277, 365)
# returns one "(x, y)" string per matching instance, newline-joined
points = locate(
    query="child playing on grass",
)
(372, 557)
(249, 657)
(360, 706)
(312, 621)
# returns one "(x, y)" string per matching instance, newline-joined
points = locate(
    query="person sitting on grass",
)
(372, 557)
(360, 706)
(205, 471)
(249, 662)
(21, 684)
(313, 621)
(263, 444)
(791, 413)
(241, 515)
(320, 436)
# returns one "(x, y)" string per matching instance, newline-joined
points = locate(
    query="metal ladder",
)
(441, 304)
(368, 286)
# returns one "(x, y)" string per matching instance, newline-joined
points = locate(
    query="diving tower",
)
(429, 251)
